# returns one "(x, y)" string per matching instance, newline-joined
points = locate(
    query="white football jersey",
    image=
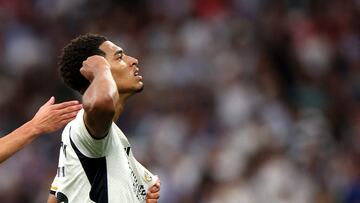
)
(98, 170)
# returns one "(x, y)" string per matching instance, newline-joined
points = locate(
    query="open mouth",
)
(137, 74)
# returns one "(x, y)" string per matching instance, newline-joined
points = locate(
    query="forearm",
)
(102, 93)
(17, 140)
(99, 103)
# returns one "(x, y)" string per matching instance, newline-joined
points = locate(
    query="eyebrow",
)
(119, 52)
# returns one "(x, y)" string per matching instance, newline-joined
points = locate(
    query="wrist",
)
(100, 73)
(103, 69)
(32, 129)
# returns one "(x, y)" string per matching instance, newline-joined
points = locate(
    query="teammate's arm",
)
(49, 118)
(100, 97)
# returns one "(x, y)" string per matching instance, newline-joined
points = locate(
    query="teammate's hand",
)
(93, 65)
(51, 117)
(153, 194)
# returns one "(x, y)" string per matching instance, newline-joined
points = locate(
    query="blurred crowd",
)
(245, 101)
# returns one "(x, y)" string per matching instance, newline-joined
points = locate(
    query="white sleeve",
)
(54, 186)
(87, 145)
(148, 178)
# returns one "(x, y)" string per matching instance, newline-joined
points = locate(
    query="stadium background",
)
(245, 101)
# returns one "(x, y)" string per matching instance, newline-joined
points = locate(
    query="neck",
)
(119, 105)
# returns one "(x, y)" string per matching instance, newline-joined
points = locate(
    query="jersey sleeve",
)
(53, 186)
(90, 147)
(148, 178)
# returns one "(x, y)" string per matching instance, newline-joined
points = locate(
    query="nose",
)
(133, 61)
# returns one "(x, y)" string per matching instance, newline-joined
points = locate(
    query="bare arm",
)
(100, 97)
(49, 118)
(52, 199)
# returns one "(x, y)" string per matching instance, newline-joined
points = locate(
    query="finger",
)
(70, 109)
(68, 115)
(157, 185)
(85, 72)
(151, 201)
(154, 189)
(65, 104)
(82, 69)
(155, 195)
(49, 102)
(66, 121)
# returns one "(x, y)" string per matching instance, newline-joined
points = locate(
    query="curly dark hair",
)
(72, 56)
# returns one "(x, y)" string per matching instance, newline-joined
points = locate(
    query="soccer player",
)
(49, 118)
(96, 163)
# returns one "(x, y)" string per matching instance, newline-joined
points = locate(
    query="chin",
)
(140, 89)
(131, 90)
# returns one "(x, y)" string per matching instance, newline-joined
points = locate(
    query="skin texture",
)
(49, 118)
(113, 79)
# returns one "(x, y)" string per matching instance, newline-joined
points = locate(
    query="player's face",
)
(123, 68)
